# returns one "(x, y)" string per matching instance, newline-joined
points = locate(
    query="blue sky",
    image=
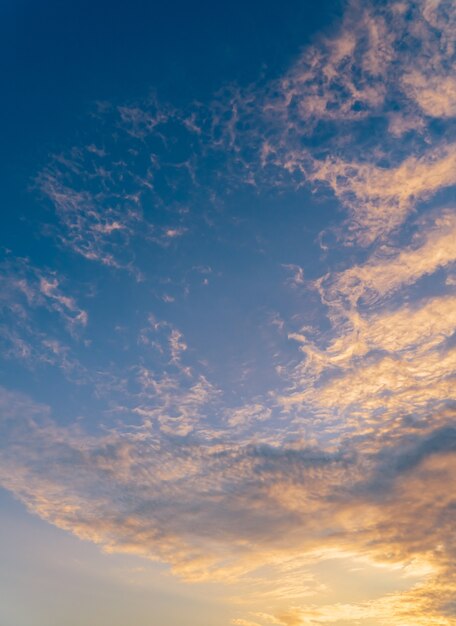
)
(228, 313)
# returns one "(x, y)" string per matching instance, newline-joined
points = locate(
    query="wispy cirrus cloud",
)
(92, 226)
(379, 199)
(26, 290)
(394, 267)
(382, 359)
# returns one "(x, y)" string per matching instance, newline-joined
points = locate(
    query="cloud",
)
(326, 120)
(434, 94)
(383, 359)
(27, 290)
(248, 414)
(392, 268)
(65, 305)
(379, 199)
(95, 224)
(297, 277)
(433, 86)
(222, 510)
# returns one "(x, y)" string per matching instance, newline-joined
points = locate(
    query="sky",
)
(228, 313)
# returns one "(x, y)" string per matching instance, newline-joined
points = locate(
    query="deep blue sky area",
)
(58, 58)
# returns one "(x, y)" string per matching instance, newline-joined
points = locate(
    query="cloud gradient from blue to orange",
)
(238, 360)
